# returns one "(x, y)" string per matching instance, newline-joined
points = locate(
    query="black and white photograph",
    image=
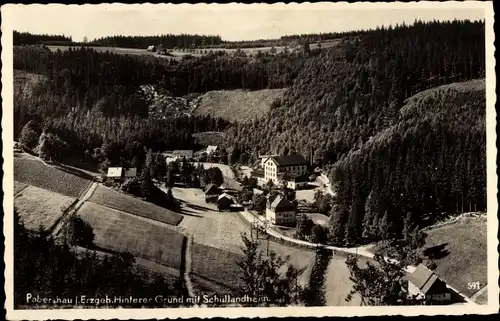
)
(187, 160)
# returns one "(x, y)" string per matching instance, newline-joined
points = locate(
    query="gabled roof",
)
(114, 171)
(281, 203)
(130, 172)
(289, 160)
(211, 189)
(422, 278)
(225, 195)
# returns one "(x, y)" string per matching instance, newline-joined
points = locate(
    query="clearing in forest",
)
(238, 105)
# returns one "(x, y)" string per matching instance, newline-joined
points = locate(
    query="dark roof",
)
(294, 178)
(211, 189)
(257, 173)
(422, 278)
(281, 203)
(289, 160)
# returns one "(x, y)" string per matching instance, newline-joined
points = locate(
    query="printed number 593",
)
(473, 285)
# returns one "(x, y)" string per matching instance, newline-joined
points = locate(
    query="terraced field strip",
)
(36, 173)
(126, 203)
(216, 265)
(18, 187)
(41, 209)
(121, 232)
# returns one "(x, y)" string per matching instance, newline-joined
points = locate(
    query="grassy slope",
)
(118, 231)
(466, 262)
(40, 208)
(113, 199)
(238, 105)
(38, 174)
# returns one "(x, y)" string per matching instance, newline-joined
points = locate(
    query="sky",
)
(231, 21)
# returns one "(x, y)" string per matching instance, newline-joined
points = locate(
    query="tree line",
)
(26, 38)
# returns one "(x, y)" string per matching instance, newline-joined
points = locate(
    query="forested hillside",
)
(432, 161)
(342, 97)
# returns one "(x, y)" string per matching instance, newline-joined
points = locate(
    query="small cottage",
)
(114, 173)
(224, 202)
(212, 193)
(281, 212)
(424, 283)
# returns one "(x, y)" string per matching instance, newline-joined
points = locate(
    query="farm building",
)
(151, 48)
(422, 282)
(211, 149)
(212, 193)
(224, 202)
(281, 211)
(114, 173)
(120, 173)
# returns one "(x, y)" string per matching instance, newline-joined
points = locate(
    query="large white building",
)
(275, 166)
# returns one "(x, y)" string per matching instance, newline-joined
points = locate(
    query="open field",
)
(121, 232)
(238, 105)
(299, 258)
(38, 174)
(318, 218)
(338, 285)
(177, 54)
(40, 208)
(461, 253)
(216, 265)
(18, 186)
(207, 225)
(116, 200)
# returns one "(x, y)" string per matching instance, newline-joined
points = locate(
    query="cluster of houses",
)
(279, 211)
(224, 198)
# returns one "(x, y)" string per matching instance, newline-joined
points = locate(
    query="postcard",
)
(249, 160)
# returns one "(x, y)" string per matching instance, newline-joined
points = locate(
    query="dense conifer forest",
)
(345, 108)
(26, 38)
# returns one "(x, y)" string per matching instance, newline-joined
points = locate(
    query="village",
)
(277, 199)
